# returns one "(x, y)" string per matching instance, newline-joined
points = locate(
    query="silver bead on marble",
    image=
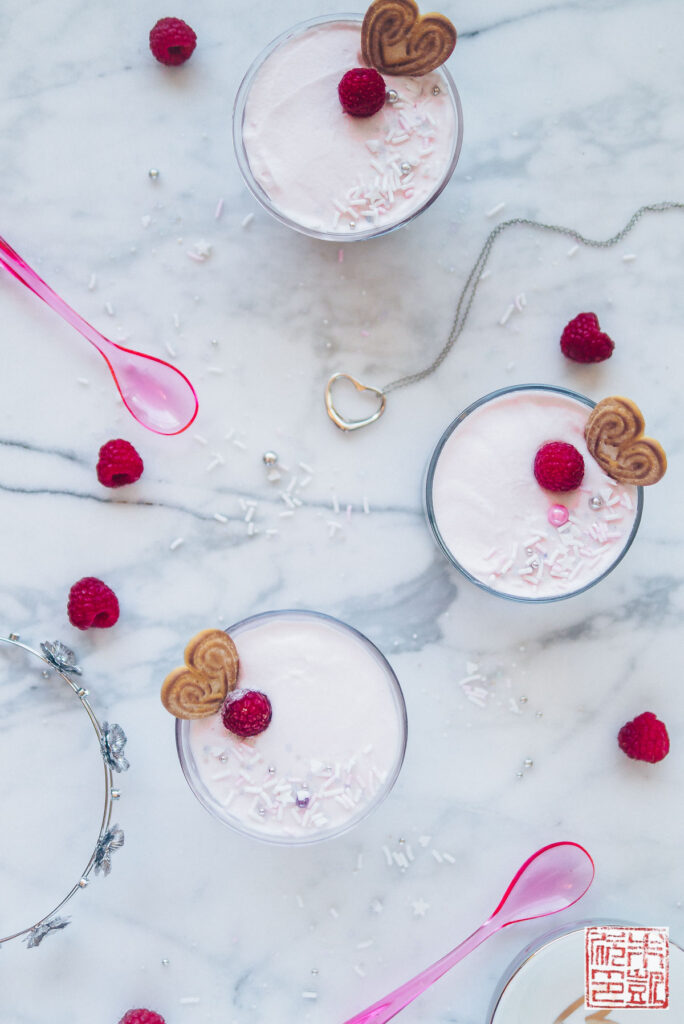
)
(153, 173)
(392, 95)
(269, 458)
(596, 501)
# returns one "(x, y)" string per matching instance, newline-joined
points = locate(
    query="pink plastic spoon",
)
(158, 395)
(551, 880)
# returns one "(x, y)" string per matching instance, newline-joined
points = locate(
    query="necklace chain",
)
(467, 295)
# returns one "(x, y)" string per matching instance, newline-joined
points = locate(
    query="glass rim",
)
(432, 519)
(260, 194)
(542, 942)
(192, 776)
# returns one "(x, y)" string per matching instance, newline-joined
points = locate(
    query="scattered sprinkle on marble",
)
(92, 283)
(420, 907)
(629, 257)
(109, 308)
(334, 913)
(495, 209)
(309, 995)
(176, 543)
(247, 220)
(200, 439)
(189, 1000)
(219, 209)
(507, 315)
(376, 906)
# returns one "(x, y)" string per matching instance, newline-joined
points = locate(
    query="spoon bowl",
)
(157, 395)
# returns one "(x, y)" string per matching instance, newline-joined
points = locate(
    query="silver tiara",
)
(112, 740)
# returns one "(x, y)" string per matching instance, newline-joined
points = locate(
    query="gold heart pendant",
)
(341, 421)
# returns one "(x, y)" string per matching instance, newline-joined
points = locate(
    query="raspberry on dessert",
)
(172, 41)
(142, 1017)
(584, 341)
(118, 464)
(362, 92)
(246, 712)
(644, 738)
(558, 466)
(92, 604)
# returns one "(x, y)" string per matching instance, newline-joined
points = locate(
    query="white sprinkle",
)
(400, 860)
(200, 439)
(220, 518)
(216, 461)
(307, 469)
(82, 380)
(373, 145)
(448, 858)
(507, 315)
(359, 862)
(170, 349)
(189, 1000)
(219, 209)
(365, 944)
(300, 901)
(409, 852)
(424, 841)
(366, 506)
(309, 995)
(629, 257)
(572, 250)
(251, 529)
(333, 527)
(247, 220)
(215, 369)
(420, 907)
(349, 512)
(437, 855)
(109, 308)
(92, 283)
(286, 515)
(334, 913)
(520, 302)
(388, 856)
(335, 504)
(359, 970)
(495, 209)
(249, 515)
(146, 220)
(176, 543)
(240, 444)
(485, 274)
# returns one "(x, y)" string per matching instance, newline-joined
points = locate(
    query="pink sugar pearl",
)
(558, 515)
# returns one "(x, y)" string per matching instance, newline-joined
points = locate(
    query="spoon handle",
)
(387, 1008)
(18, 267)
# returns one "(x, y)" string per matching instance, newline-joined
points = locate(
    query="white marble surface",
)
(572, 114)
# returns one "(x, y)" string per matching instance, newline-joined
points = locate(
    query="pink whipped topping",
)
(335, 738)
(332, 172)
(500, 525)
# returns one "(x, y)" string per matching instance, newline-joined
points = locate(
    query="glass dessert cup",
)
(591, 542)
(305, 647)
(545, 984)
(365, 225)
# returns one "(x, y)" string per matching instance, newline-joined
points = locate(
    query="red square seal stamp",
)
(626, 967)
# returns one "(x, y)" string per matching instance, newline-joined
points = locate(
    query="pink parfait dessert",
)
(331, 746)
(517, 502)
(325, 172)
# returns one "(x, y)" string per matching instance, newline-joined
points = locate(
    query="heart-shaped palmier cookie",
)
(397, 40)
(199, 688)
(615, 438)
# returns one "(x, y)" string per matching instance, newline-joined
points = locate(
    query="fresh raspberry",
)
(558, 466)
(92, 603)
(644, 738)
(362, 92)
(172, 41)
(141, 1017)
(584, 341)
(246, 712)
(118, 464)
